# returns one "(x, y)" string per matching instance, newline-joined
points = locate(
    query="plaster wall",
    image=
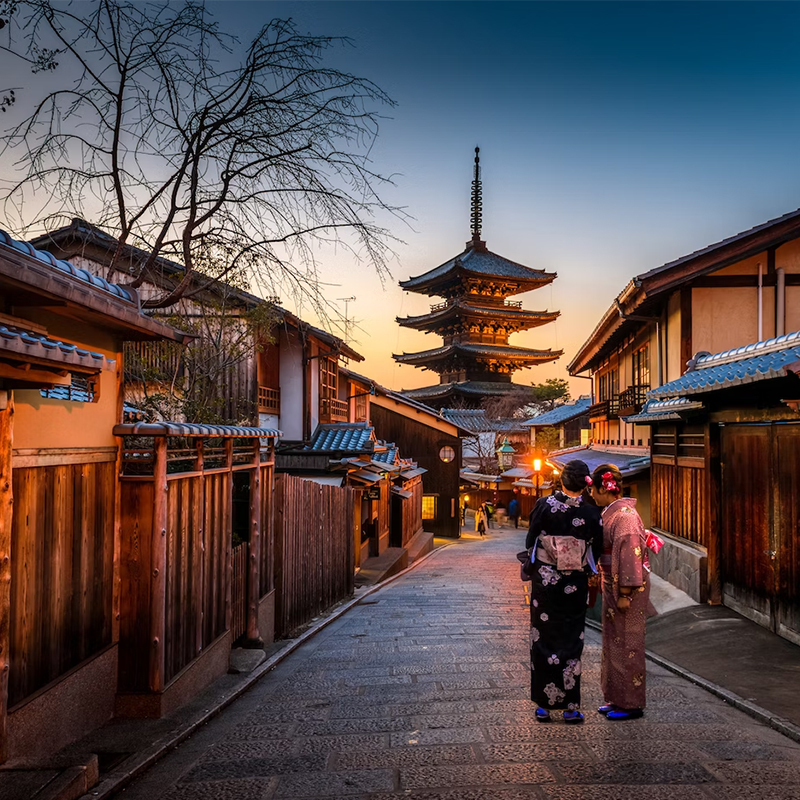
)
(723, 318)
(291, 366)
(42, 422)
(672, 363)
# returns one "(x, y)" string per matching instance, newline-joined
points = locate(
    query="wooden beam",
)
(6, 510)
(686, 327)
(33, 378)
(158, 567)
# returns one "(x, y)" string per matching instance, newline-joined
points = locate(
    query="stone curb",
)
(144, 759)
(780, 724)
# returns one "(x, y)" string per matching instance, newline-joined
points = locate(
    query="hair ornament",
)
(609, 483)
(588, 479)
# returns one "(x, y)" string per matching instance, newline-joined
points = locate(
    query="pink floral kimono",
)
(624, 564)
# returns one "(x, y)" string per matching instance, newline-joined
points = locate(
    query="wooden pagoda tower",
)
(475, 319)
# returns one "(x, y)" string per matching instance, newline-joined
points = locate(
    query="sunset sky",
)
(614, 137)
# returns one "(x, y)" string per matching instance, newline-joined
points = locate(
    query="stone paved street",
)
(421, 692)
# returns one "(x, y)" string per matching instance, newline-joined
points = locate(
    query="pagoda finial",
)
(476, 215)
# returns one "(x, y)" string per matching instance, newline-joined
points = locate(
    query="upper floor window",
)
(641, 366)
(328, 378)
(608, 385)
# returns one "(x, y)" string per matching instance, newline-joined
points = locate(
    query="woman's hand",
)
(624, 602)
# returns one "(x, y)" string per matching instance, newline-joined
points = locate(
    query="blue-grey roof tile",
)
(772, 358)
(664, 410)
(67, 268)
(345, 437)
(593, 457)
(560, 414)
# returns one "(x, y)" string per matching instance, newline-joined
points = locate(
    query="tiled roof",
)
(560, 414)
(772, 358)
(345, 437)
(20, 344)
(464, 308)
(517, 472)
(482, 262)
(388, 456)
(593, 456)
(471, 388)
(67, 268)
(477, 350)
(190, 429)
(664, 410)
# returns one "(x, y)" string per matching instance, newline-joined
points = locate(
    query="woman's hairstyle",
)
(607, 477)
(574, 474)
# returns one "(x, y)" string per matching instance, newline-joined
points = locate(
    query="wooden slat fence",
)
(239, 591)
(314, 561)
(62, 542)
(679, 501)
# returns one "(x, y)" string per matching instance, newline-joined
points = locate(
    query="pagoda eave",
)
(513, 319)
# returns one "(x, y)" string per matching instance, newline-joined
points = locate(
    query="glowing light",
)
(537, 464)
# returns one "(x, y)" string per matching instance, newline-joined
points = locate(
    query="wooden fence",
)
(62, 538)
(314, 558)
(239, 591)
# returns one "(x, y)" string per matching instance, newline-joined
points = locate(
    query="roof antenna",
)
(476, 214)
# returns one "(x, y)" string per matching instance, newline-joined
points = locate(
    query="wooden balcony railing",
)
(605, 409)
(632, 399)
(333, 410)
(269, 400)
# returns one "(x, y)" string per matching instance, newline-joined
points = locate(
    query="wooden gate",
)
(760, 542)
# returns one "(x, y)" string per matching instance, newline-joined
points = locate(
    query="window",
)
(447, 454)
(608, 385)
(328, 374)
(641, 366)
(429, 504)
(82, 389)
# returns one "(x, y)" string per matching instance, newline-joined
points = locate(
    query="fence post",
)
(279, 532)
(254, 552)
(6, 517)
(158, 561)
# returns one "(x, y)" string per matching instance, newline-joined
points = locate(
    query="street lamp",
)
(537, 468)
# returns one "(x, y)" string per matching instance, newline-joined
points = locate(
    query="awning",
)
(187, 429)
(408, 474)
(364, 476)
(402, 492)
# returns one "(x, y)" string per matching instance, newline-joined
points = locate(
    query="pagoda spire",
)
(476, 212)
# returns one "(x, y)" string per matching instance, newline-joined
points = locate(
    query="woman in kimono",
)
(626, 592)
(563, 529)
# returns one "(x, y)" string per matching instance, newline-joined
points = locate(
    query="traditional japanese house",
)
(62, 332)
(731, 293)
(726, 477)
(475, 320)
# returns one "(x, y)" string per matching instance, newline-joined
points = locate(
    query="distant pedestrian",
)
(481, 520)
(464, 508)
(489, 508)
(626, 595)
(565, 538)
(513, 511)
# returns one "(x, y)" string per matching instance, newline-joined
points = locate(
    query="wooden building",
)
(737, 291)
(726, 478)
(571, 421)
(62, 331)
(475, 320)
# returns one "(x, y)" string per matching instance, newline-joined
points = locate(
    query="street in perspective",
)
(421, 691)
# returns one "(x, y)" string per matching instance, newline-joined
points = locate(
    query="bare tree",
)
(235, 161)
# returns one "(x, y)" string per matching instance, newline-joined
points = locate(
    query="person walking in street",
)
(566, 536)
(464, 508)
(481, 519)
(513, 511)
(626, 593)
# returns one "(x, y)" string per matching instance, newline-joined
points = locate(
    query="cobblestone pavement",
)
(421, 692)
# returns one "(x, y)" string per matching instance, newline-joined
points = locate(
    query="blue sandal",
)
(625, 713)
(606, 708)
(573, 717)
(542, 715)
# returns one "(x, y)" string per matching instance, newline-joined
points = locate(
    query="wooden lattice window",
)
(328, 378)
(429, 506)
(641, 366)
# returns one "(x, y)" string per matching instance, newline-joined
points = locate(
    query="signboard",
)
(373, 493)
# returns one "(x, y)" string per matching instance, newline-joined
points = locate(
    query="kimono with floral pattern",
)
(558, 597)
(624, 564)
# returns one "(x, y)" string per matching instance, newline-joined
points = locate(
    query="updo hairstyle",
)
(573, 477)
(615, 480)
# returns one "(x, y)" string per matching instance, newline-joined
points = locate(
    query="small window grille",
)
(81, 390)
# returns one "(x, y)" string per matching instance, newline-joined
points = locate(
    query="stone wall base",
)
(684, 564)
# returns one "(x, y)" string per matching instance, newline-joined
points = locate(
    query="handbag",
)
(525, 564)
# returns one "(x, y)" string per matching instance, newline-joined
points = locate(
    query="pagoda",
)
(475, 319)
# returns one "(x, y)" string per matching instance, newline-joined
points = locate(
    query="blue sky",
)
(614, 137)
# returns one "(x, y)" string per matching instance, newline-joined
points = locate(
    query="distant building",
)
(570, 420)
(475, 320)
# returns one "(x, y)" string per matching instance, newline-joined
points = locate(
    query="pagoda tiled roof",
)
(479, 350)
(462, 307)
(444, 391)
(482, 262)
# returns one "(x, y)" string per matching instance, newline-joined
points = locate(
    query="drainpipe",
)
(780, 303)
(760, 304)
(657, 320)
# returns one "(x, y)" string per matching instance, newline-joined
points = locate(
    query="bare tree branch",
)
(234, 161)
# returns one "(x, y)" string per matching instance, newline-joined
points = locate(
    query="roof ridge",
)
(743, 352)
